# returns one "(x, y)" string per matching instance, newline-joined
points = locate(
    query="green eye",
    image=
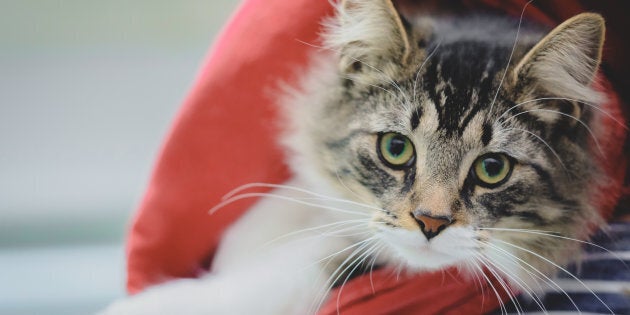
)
(492, 170)
(395, 150)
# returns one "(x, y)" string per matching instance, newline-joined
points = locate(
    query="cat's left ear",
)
(372, 37)
(565, 62)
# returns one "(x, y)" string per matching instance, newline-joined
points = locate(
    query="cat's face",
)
(447, 133)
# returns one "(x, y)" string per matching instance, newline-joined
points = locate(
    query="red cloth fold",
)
(224, 137)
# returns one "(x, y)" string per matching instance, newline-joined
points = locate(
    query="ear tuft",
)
(368, 31)
(565, 62)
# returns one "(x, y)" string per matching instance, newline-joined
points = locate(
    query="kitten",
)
(424, 143)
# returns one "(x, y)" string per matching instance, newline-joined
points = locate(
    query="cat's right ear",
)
(372, 38)
(564, 63)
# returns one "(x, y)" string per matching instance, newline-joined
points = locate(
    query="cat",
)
(421, 143)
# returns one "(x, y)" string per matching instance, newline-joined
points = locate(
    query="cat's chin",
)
(411, 249)
(427, 260)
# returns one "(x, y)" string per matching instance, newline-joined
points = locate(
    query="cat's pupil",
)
(397, 146)
(492, 166)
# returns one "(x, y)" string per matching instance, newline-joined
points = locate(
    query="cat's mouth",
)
(450, 248)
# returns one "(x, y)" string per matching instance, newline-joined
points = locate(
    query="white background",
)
(87, 91)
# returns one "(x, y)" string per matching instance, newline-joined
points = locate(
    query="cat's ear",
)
(371, 36)
(564, 63)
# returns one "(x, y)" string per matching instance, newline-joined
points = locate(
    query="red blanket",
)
(172, 234)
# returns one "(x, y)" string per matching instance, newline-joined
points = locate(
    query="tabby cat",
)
(420, 143)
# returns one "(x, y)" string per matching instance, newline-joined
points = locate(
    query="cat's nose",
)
(431, 225)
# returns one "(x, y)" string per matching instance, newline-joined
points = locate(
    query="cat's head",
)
(470, 141)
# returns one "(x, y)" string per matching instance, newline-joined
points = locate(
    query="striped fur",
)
(458, 88)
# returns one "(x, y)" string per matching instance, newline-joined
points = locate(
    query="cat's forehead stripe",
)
(460, 81)
(486, 135)
(415, 117)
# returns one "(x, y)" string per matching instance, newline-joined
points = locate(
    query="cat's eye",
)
(395, 150)
(492, 169)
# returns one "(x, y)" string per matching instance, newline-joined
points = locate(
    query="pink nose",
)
(431, 226)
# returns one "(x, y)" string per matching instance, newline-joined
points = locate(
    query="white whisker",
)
(471, 266)
(506, 287)
(496, 292)
(415, 81)
(396, 96)
(270, 195)
(539, 276)
(507, 66)
(374, 258)
(528, 290)
(561, 268)
(570, 100)
(384, 76)
(519, 282)
(357, 262)
(360, 243)
(354, 193)
(547, 280)
(545, 143)
(298, 189)
(345, 265)
(356, 224)
(555, 235)
(599, 147)
(359, 246)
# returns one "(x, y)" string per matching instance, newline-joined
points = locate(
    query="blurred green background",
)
(87, 92)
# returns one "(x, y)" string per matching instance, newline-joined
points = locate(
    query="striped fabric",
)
(604, 280)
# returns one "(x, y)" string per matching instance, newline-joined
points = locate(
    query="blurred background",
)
(87, 91)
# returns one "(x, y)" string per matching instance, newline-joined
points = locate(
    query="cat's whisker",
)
(560, 268)
(557, 235)
(494, 289)
(599, 147)
(358, 261)
(354, 224)
(416, 79)
(515, 279)
(360, 198)
(539, 275)
(338, 233)
(466, 266)
(545, 143)
(507, 66)
(471, 267)
(322, 292)
(359, 246)
(501, 270)
(482, 278)
(593, 106)
(374, 259)
(518, 230)
(356, 244)
(344, 266)
(270, 195)
(383, 75)
(376, 86)
(243, 187)
(235, 191)
(504, 285)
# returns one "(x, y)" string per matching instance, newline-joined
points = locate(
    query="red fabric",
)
(223, 137)
(383, 292)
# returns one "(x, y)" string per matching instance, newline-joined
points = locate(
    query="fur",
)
(457, 94)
